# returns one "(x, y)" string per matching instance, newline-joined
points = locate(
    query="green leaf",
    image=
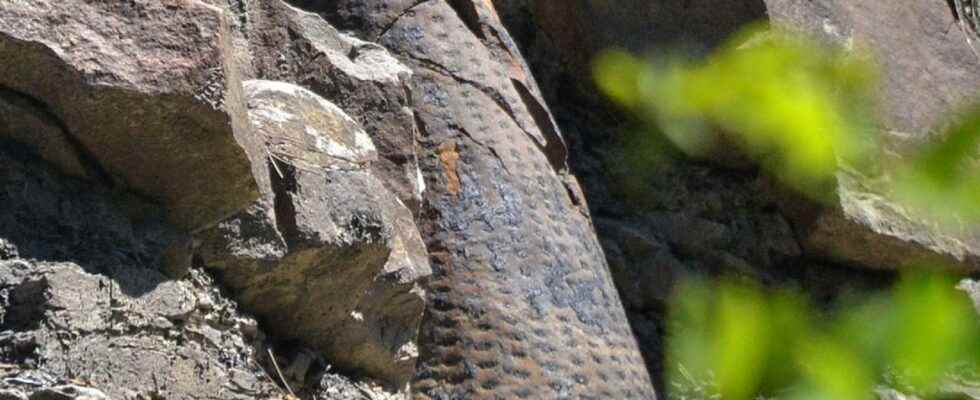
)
(741, 344)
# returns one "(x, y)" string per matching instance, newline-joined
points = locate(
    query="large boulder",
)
(327, 256)
(929, 61)
(143, 89)
(521, 302)
(931, 69)
(292, 45)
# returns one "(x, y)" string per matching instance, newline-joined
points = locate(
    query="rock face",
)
(686, 217)
(328, 255)
(84, 313)
(931, 68)
(144, 89)
(519, 278)
(281, 195)
(299, 190)
(381, 184)
(81, 302)
(291, 45)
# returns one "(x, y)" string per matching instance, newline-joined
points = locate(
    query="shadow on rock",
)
(50, 217)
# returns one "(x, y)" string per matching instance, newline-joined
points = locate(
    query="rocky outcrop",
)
(281, 195)
(328, 256)
(144, 90)
(169, 166)
(85, 314)
(82, 303)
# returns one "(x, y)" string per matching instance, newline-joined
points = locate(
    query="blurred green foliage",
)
(752, 92)
(736, 341)
(943, 179)
(803, 111)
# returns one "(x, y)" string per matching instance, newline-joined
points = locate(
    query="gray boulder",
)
(328, 255)
(292, 45)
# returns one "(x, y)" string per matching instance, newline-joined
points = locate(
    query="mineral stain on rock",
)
(449, 156)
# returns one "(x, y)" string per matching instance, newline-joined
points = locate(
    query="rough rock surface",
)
(327, 256)
(678, 217)
(686, 217)
(144, 89)
(291, 45)
(370, 138)
(81, 302)
(61, 321)
(319, 239)
(85, 315)
(519, 277)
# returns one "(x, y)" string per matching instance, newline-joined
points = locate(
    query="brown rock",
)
(291, 45)
(146, 91)
(522, 303)
(328, 255)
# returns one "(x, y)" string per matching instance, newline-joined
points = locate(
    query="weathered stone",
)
(145, 90)
(930, 69)
(328, 256)
(870, 230)
(291, 45)
(83, 313)
(40, 222)
(83, 301)
(370, 19)
(522, 303)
